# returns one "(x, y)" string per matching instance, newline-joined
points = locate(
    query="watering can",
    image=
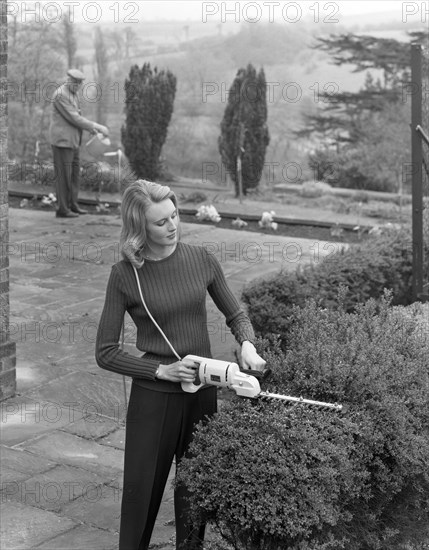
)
(98, 145)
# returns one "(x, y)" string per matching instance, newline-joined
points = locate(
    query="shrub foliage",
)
(276, 477)
(378, 263)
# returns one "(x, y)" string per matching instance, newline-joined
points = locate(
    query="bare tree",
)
(102, 75)
(70, 43)
(35, 65)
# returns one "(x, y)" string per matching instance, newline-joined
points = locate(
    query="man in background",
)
(65, 135)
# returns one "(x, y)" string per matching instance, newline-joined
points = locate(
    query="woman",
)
(174, 279)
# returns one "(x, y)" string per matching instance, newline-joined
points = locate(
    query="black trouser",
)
(66, 163)
(159, 427)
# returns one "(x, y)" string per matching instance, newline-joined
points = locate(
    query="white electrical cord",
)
(151, 317)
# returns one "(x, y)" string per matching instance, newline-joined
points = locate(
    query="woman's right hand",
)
(180, 371)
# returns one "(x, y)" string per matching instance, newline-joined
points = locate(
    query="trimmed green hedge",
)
(275, 477)
(378, 263)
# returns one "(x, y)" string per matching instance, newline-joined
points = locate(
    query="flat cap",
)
(76, 74)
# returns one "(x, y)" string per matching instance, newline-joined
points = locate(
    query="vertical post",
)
(119, 169)
(239, 163)
(239, 179)
(417, 170)
(7, 348)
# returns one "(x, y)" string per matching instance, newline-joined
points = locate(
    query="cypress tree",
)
(244, 131)
(149, 99)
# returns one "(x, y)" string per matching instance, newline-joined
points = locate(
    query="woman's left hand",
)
(249, 357)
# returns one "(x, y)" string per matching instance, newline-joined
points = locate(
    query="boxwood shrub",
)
(276, 477)
(378, 263)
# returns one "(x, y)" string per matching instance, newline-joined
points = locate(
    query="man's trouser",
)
(66, 163)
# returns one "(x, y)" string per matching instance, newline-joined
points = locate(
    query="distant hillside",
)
(205, 59)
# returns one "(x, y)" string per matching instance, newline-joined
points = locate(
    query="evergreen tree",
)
(342, 112)
(244, 132)
(149, 99)
(364, 136)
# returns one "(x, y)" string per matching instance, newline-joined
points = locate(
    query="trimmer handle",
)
(192, 387)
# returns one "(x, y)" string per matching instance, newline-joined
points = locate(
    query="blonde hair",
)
(137, 198)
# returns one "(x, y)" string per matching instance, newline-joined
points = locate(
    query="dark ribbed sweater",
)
(175, 291)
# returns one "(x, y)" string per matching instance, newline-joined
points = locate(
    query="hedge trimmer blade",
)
(245, 383)
(299, 400)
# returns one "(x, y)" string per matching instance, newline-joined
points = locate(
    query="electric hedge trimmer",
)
(214, 372)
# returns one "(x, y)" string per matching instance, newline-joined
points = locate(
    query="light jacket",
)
(67, 123)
